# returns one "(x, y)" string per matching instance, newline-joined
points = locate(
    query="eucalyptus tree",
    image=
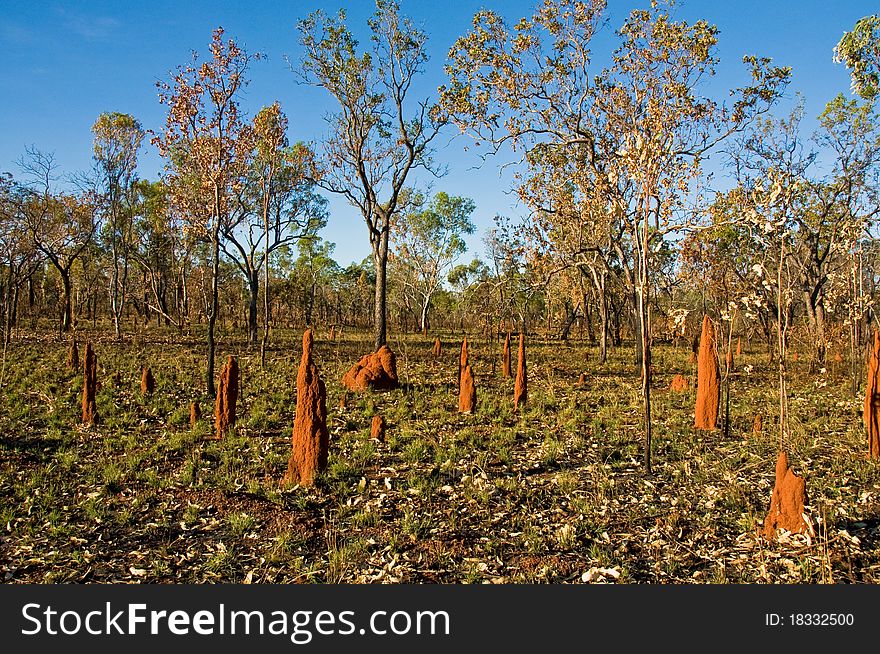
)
(378, 134)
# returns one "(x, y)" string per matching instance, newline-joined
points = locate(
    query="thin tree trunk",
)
(380, 259)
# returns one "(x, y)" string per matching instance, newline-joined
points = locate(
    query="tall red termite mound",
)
(377, 429)
(90, 386)
(437, 347)
(520, 389)
(871, 413)
(73, 356)
(376, 371)
(679, 384)
(708, 380)
(463, 358)
(739, 347)
(467, 395)
(787, 501)
(227, 398)
(195, 413)
(505, 358)
(148, 382)
(311, 439)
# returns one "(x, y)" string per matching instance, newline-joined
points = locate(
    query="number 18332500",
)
(809, 620)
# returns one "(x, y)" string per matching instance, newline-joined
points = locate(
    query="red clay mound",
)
(376, 371)
(148, 382)
(377, 429)
(467, 396)
(787, 501)
(708, 380)
(437, 347)
(227, 397)
(311, 439)
(582, 379)
(73, 356)
(679, 384)
(739, 347)
(521, 388)
(90, 386)
(195, 413)
(871, 413)
(756, 425)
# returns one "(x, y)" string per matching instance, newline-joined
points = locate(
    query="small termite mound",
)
(708, 380)
(679, 384)
(739, 347)
(437, 348)
(310, 446)
(73, 356)
(90, 386)
(227, 398)
(377, 429)
(195, 413)
(521, 388)
(756, 425)
(148, 382)
(582, 380)
(787, 501)
(375, 371)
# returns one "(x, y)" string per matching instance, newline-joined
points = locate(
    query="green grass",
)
(538, 495)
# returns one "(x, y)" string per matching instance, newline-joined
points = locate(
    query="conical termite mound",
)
(787, 501)
(871, 413)
(90, 386)
(227, 398)
(73, 356)
(311, 439)
(739, 347)
(695, 348)
(467, 395)
(148, 382)
(679, 384)
(377, 429)
(376, 371)
(521, 389)
(708, 380)
(582, 380)
(195, 413)
(757, 425)
(437, 347)
(463, 360)
(505, 358)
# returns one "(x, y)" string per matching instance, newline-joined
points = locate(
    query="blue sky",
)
(66, 62)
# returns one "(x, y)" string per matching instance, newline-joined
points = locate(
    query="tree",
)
(275, 205)
(117, 139)
(428, 240)
(377, 136)
(206, 144)
(626, 143)
(17, 252)
(60, 225)
(859, 50)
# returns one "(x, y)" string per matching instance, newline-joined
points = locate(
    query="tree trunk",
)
(66, 301)
(215, 306)
(254, 288)
(380, 259)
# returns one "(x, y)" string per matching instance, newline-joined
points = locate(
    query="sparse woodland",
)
(645, 378)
